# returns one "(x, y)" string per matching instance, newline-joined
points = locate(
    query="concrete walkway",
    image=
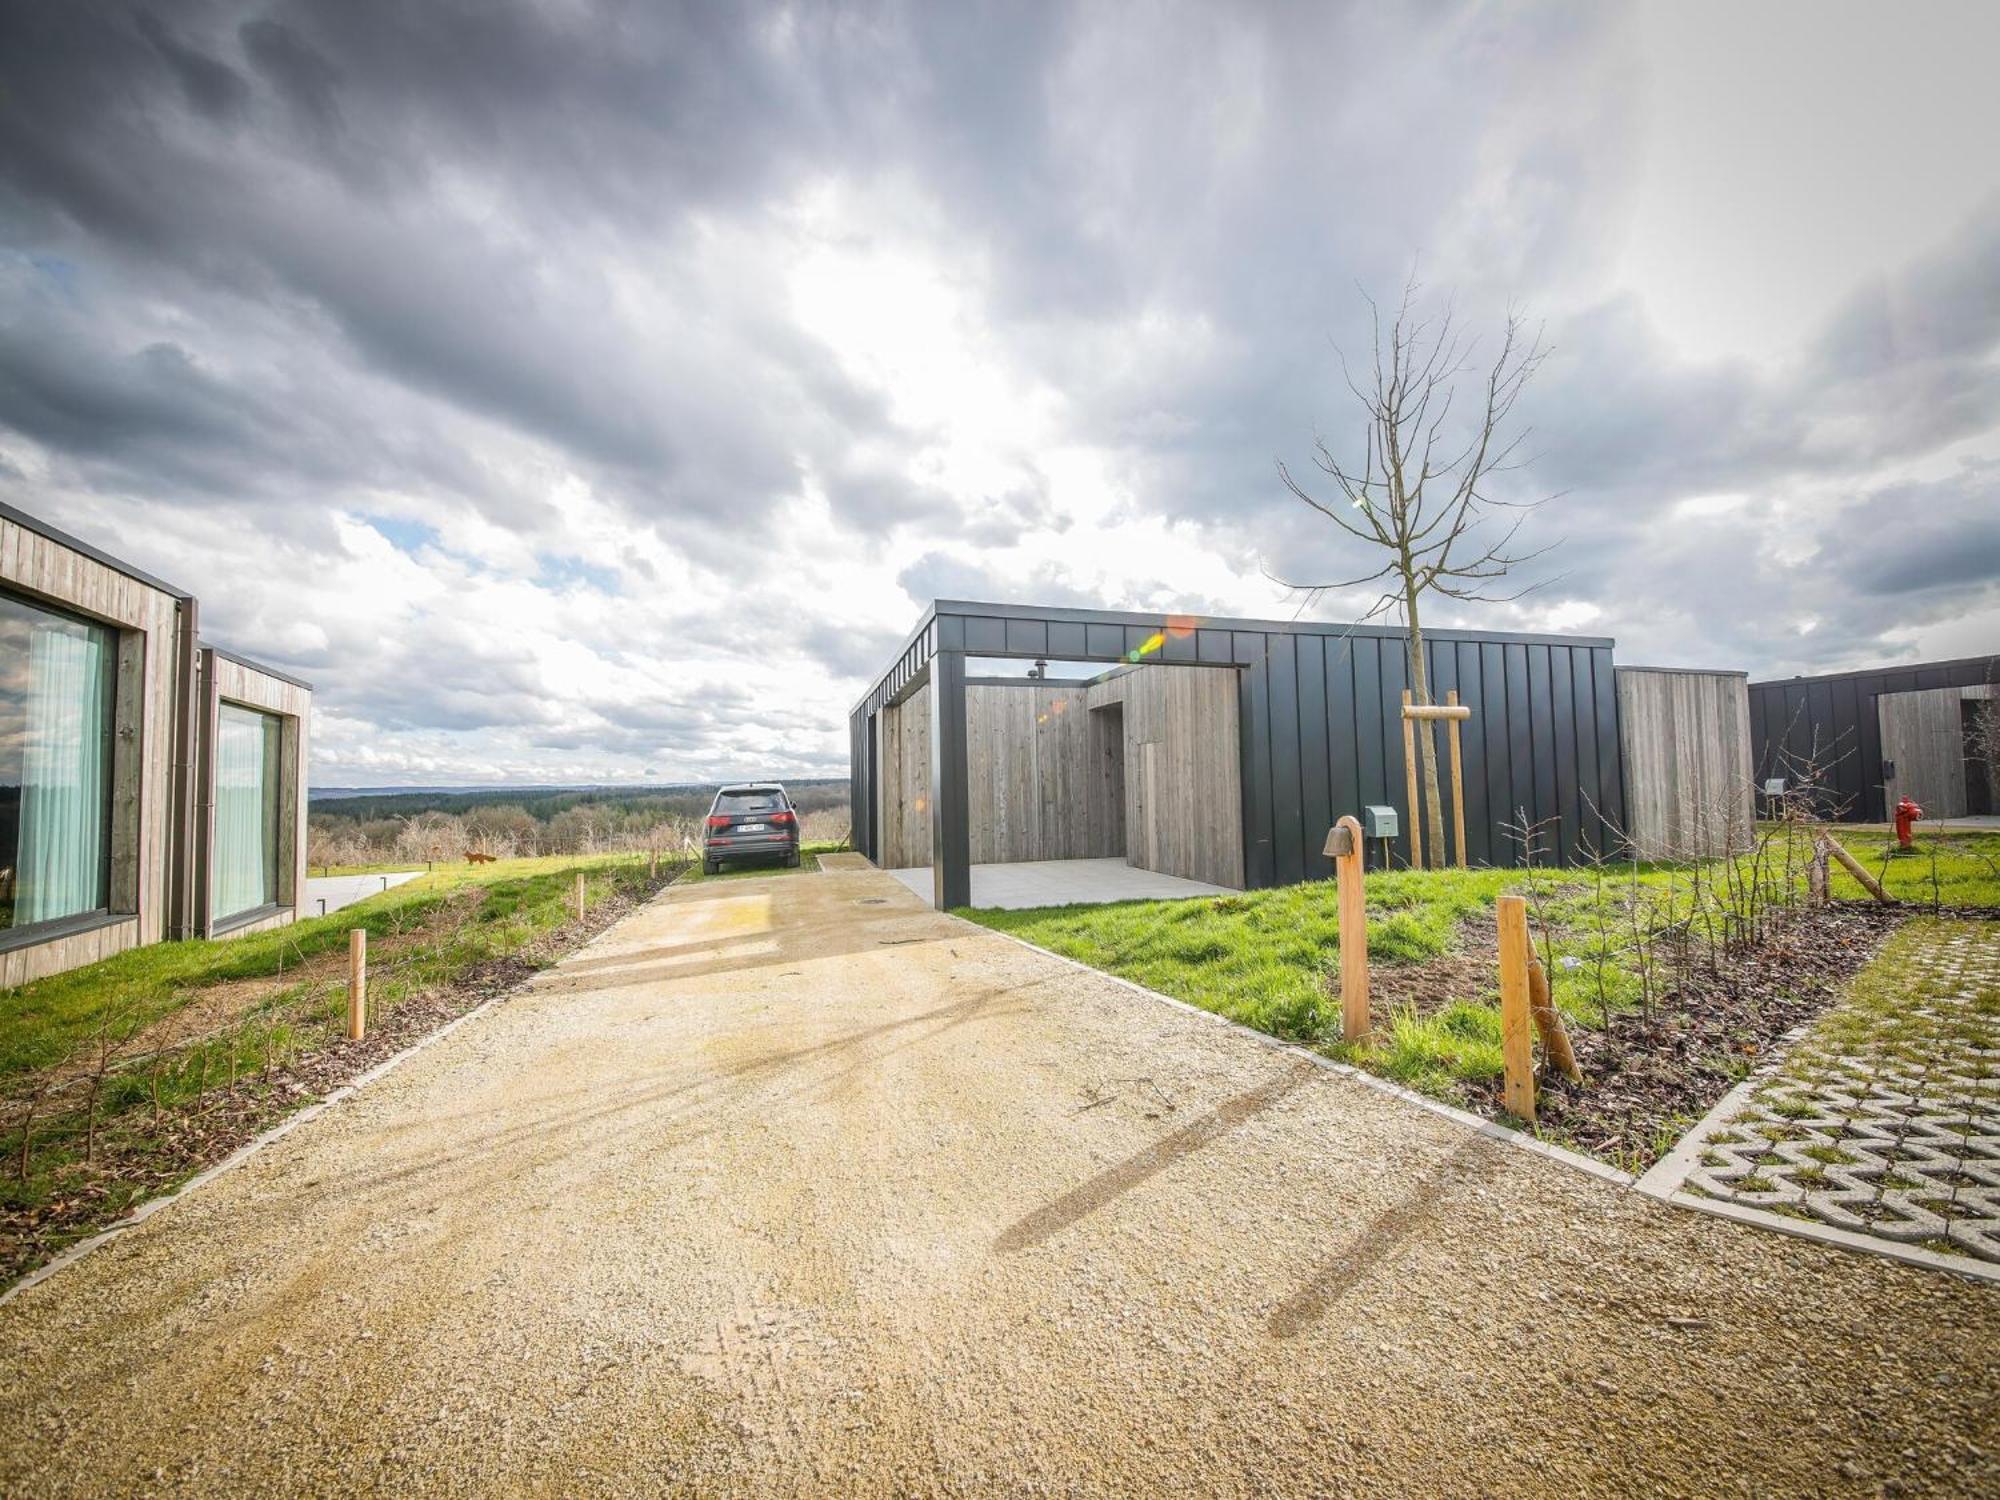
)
(1064, 882)
(329, 893)
(791, 1186)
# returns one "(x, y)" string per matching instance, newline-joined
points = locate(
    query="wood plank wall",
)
(239, 682)
(1141, 765)
(40, 568)
(1923, 736)
(1688, 766)
(904, 757)
(1030, 776)
(1182, 770)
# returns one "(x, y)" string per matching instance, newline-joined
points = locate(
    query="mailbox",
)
(1379, 823)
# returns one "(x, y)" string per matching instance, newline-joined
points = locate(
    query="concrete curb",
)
(1658, 1184)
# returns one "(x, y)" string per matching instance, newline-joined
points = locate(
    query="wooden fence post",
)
(1549, 1023)
(579, 895)
(1517, 1047)
(357, 984)
(1457, 782)
(1410, 776)
(1343, 846)
(1853, 867)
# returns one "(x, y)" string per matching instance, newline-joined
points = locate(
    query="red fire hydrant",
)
(1907, 813)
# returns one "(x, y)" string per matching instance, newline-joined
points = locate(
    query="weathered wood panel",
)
(1685, 738)
(241, 682)
(1034, 774)
(1923, 737)
(1184, 801)
(905, 769)
(42, 569)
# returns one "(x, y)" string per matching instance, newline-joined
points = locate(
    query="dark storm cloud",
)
(281, 257)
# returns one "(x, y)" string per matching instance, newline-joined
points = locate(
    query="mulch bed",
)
(139, 1158)
(1649, 1077)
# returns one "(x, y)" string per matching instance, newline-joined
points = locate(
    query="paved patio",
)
(329, 893)
(1064, 882)
(1884, 1119)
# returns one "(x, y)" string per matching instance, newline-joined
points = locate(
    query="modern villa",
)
(152, 787)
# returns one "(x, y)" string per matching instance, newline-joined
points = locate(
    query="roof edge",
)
(96, 554)
(257, 666)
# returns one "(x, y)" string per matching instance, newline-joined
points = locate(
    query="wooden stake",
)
(1816, 875)
(1853, 867)
(1457, 779)
(579, 895)
(357, 984)
(1517, 1046)
(1410, 774)
(1549, 1023)
(1345, 846)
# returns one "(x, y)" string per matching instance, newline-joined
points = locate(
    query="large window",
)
(57, 680)
(243, 874)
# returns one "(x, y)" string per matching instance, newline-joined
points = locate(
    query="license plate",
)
(749, 827)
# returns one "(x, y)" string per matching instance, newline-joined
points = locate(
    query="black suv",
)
(753, 821)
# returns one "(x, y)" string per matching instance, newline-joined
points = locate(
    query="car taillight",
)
(717, 820)
(783, 819)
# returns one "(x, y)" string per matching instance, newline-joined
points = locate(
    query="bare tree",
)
(1419, 490)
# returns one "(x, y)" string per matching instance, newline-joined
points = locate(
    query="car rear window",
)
(742, 802)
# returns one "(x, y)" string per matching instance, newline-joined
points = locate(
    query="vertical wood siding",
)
(41, 568)
(1688, 767)
(1923, 736)
(905, 824)
(239, 682)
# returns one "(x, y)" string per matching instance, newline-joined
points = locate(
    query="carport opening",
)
(1070, 762)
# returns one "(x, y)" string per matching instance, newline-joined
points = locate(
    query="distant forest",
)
(372, 827)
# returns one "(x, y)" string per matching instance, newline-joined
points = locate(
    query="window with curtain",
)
(57, 685)
(243, 867)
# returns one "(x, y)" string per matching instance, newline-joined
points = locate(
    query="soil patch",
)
(1649, 1074)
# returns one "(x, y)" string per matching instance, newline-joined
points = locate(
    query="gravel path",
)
(790, 1186)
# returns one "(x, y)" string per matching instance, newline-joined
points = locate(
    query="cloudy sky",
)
(581, 391)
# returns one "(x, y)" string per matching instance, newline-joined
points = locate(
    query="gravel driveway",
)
(791, 1186)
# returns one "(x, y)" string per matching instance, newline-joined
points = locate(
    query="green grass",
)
(1259, 957)
(1264, 958)
(1967, 866)
(42, 1022)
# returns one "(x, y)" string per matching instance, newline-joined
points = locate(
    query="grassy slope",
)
(43, 1021)
(1265, 957)
(204, 1032)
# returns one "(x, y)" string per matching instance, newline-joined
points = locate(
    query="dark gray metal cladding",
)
(1320, 725)
(1831, 720)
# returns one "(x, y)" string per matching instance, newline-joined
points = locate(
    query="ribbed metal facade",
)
(1321, 731)
(1832, 721)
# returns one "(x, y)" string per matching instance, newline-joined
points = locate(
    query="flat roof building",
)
(151, 787)
(1222, 750)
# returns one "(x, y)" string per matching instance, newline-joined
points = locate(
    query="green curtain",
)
(243, 867)
(65, 772)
